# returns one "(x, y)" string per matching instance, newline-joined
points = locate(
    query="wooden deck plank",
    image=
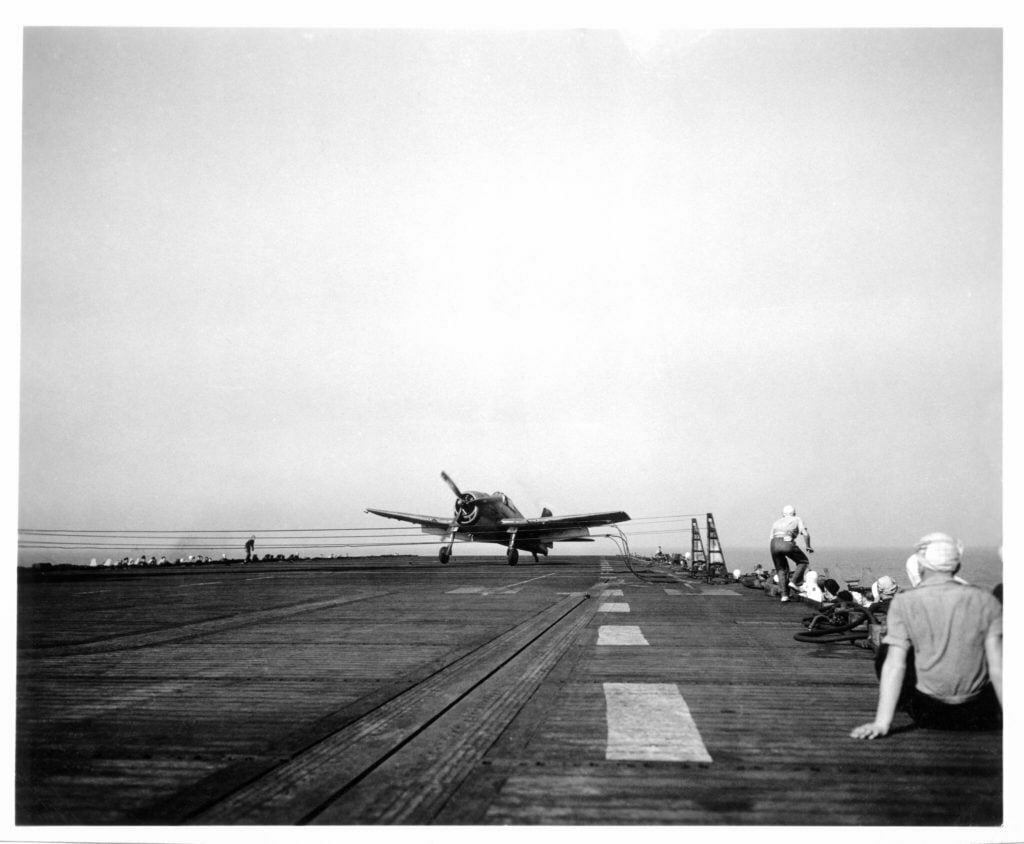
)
(167, 693)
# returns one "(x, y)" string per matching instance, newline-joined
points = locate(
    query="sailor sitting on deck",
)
(884, 589)
(756, 579)
(878, 597)
(830, 589)
(944, 650)
(809, 588)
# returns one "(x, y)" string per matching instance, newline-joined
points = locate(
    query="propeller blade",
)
(451, 484)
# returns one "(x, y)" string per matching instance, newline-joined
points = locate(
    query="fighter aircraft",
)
(493, 518)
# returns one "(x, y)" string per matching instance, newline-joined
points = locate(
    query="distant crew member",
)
(783, 545)
(810, 588)
(943, 660)
(830, 589)
(250, 546)
(884, 589)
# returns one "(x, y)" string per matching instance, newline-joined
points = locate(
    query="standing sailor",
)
(783, 546)
(250, 546)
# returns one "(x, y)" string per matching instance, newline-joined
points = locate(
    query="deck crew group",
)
(939, 648)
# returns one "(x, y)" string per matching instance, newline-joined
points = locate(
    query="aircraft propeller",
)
(466, 512)
(451, 484)
(466, 502)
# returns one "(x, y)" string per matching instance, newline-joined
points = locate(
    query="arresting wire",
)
(277, 539)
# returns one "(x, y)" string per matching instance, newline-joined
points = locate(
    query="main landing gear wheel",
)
(513, 556)
(444, 555)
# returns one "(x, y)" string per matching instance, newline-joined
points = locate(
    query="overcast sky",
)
(271, 278)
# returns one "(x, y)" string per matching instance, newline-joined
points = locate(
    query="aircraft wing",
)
(564, 522)
(423, 521)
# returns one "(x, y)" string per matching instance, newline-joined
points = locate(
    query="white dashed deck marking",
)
(620, 634)
(608, 606)
(651, 722)
(608, 593)
(466, 590)
(673, 592)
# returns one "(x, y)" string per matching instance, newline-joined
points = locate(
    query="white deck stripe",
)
(521, 582)
(620, 634)
(608, 606)
(673, 592)
(610, 592)
(466, 590)
(651, 722)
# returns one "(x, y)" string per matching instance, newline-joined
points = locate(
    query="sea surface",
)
(982, 566)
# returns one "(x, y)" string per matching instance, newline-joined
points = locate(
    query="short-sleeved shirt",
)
(946, 623)
(788, 527)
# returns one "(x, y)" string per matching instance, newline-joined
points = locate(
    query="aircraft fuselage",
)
(479, 515)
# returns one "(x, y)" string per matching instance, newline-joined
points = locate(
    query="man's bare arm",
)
(994, 661)
(889, 686)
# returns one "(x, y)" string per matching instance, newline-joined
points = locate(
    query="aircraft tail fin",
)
(545, 512)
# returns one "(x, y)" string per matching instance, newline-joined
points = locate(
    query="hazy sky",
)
(271, 278)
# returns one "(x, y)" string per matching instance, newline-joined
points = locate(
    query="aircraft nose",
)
(466, 509)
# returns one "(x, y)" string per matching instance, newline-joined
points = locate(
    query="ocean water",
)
(981, 566)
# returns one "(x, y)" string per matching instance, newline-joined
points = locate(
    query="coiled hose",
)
(826, 633)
